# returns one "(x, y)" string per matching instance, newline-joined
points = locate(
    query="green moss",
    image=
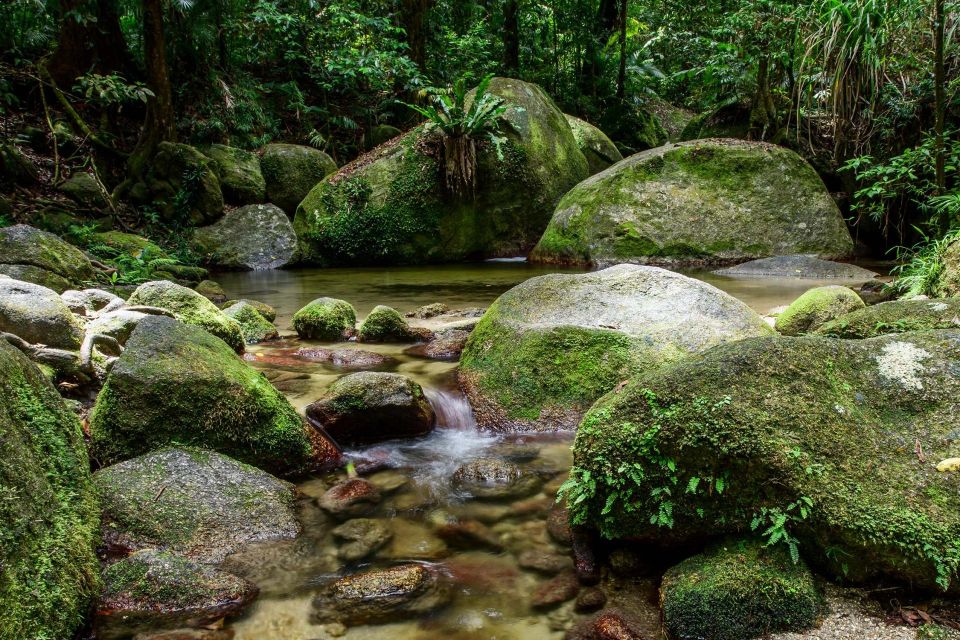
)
(159, 579)
(133, 245)
(325, 319)
(385, 324)
(49, 516)
(897, 316)
(254, 326)
(190, 307)
(737, 591)
(816, 307)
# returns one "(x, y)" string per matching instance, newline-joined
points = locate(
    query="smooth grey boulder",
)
(797, 266)
(38, 315)
(196, 503)
(256, 237)
(117, 324)
(91, 302)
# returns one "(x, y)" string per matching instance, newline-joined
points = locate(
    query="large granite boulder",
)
(49, 516)
(368, 407)
(257, 236)
(190, 307)
(549, 347)
(702, 201)
(239, 173)
(177, 384)
(797, 266)
(594, 144)
(291, 171)
(830, 444)
(896, 316)
(196, 503)
(36, 256)
(391, 206)
(38, 315)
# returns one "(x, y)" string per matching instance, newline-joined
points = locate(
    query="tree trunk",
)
(762, 111)
(940, 94)
(96, 44)
(622, 72)
(413, 15)
(160, 123)
(511, 37)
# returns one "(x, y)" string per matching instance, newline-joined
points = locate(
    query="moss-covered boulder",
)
(948, 284)
(212, 291)
(83, 188)
(189, 307)
(385, 324)
(257, 236)
(291, 171)
(239, 173)
(633, 126)
(368, 407)
(729, 120)
(42, 258)
(325, 319)
(739, 590)
(896, 316)
(195, 503)
(391, 206)
(263, 308)
(15, 168)
(183, 185)
(38, 315)
(816, 307)
(49, 517)
(594, 144)
(128, 243)
(152, 590)
(253, 325)
(815, 438)
(176, 383)
(703, 201)
(548, 348)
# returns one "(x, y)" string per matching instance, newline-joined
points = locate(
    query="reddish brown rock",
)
(556, 591)
(350, 499)
(584, 559)
(469, 534)
(558, 525)
(345, 358)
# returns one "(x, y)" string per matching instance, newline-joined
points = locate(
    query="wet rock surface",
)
(494, 479)
(345, 358)
(797, 266)
(350, 499)
(361, 537)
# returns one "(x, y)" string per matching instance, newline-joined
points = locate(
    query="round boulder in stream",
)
(382, 595)
(368, 407)
(549, 347)
(495, 479)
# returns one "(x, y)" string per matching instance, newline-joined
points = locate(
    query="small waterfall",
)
(452, 409)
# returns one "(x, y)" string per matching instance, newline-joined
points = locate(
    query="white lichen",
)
(901, 362)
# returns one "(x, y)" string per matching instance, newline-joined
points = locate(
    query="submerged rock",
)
(391, 206)
(345, 358)
(37, 315)
(702, 201)
(739, 590)
(350, 498)
(257, 237)
(195, 503)
(555, 591)
(495, 479)
(368, 407)
(446, 344)
(816, 307)
(360, 538)
(797, 266)
(549, 347)
(379, 596)
(159, 590)
(838, 422)
(594, 144)
(49, 516)
(176, 383)
(36, 256)
(291, 171)
(326, 319)
(896, 316)
(190, 307)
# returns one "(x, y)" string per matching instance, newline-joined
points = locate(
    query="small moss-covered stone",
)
(239, 173)
(821, 431)
(25, 245)
(195, 503)
(49, 516)
(548, 348)
(594, 144)
(212, 291)
(130, 244)
(175, 383)
(739, 590)
(263, 308)
(253, 325)
(189, 307)
(702, 201)
(385, 324)
(326, 319)
(896, 316)
(948, 285)
(83, 189)
(291, 171)
(816, 307)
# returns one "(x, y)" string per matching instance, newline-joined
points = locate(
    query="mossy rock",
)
(817, 307)
(739, 590)
(385, 324)
(263, 308)
(239, 173)
(84, 189)
(182, 183)
(325, 319)
(729, 120)
(697, 202)
(822, 432)
(196, 503)
(25, 245)
(212, 291)
(130, 244)
(189, 307)
(379, 134)
(948, 285)
(896, 316)
(632, 126)
(15, 168)
(257, 236)
(36, 275)
(594, 144)
(549, 347)
(254, 326)
(176, 383)
(49, 516)
(291, 171)
(38, 315)
(152, 590)
(391, 206)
